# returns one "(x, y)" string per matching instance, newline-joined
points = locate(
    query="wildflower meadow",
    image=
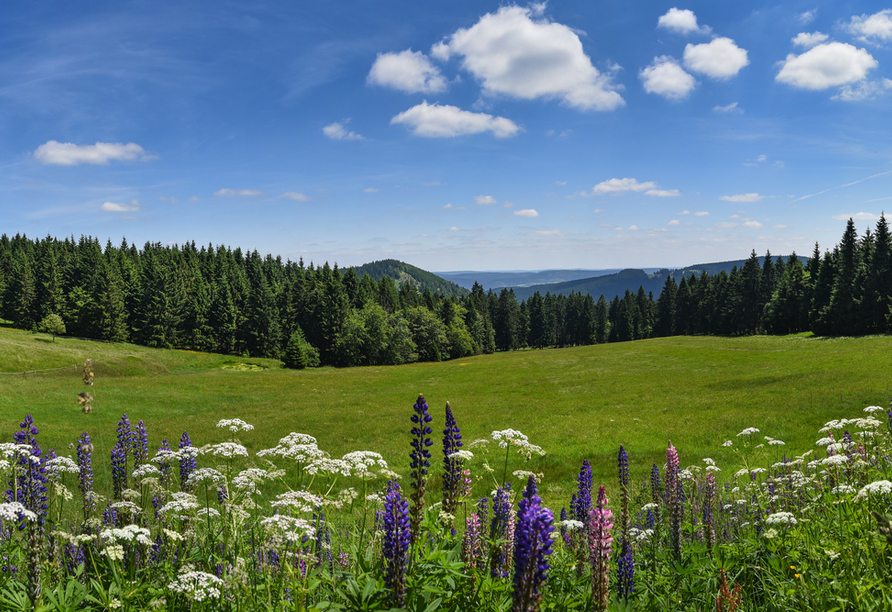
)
(207, 525)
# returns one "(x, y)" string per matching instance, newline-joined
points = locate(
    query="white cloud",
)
(451, 207)
(702, 213)
(548, 233)
(526, 212)
(804, 39)
(743, 197)
(719, 59)
(454, 229)
(560, 182)
(725, 224)
(681, 21)
(508, 205)
(761, 158)
(685, 212)
(616, 185)
(339, 131)
(728, 108)
(807, 16)
(68, 154)
(436, 121)
(752, 224)
(237, 192)
(674, 222)
(370, 190)
(779, 226)
(408, 71)
(874, 27)
(865, 90)
(294, 195)
(514, 54)
(861, 216)
(170, 199)
(666, 78)
(663, 193)
(485, 200)
(827, 65)
(633, 228)
(132, 206)
(194, 199)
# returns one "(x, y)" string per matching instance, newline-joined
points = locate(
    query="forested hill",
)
(613, 285)
(402, 272)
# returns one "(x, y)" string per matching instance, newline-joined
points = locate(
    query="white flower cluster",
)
(748, 432)
(640, 535)
(197, 586)
(299, 501)
(861, 423)
(13, 511)
(146, 470)
(127, 533)
(513, 437)
(208, 476)
(247, 480)
(880, 487)
(180, 504)
(570, 524)
(235, 425)
(772, 442)
(11, 450)
(781, 518)
(288, 528)
(298, 447)
(57, 466)
(334, 467)
(872, 409)
(227, 450)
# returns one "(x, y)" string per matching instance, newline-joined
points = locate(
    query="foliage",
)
(52, 324)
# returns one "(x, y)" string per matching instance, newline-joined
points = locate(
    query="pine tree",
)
(666, 303)
(842, 309)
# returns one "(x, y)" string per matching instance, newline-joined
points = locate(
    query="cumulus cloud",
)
(339, 131)
(682, 21)
(526, 212)
(674, 222)
(516, 53)
(728, 108)
(294, 195)
(451, 207)
(871, 28)
(752, 224)
(616, 185)
(725, 224)
(132, 206)
(408, 71)
(663, 193)
(827, 65)
(702, 213)
(666, 78)
(861, 216)
(237, 192)
(804, 39)
(69, 154)
(436, 121)
(718, 59)
(865, 90)
(485, 200)
(743, 197)
(807, 16)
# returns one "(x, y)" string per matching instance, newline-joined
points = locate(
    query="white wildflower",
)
(127, 533)
(335, 467)
(872, 409)
(208, 512)
(227, 450)
(713, 468)
(880, 487)
(114, 552)
(127, 506)
(206, 476)
(781, 518)
(776, 443)
(300, 501)
(462, 455)
(374, 498)
(235, 425)
(741, 472)
(288, 528)
(842, 489)
(835, 460)
(748, 432)
(727, 443)
(771, 533)
(247, 480)
(146, 469)
(708, 461)
(173, 536)
(197, 586)
(57, 466)
(13, 511)
(571, 525)
(650, 506)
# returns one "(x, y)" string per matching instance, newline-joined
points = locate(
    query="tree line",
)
(228, 301)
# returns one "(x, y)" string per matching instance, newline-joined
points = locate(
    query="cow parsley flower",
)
(197, 586)
(227, 450)
(880, 487)
(748, 432)
(781, 518)
(234, 425)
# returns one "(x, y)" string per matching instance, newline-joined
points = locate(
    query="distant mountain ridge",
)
(402, 272)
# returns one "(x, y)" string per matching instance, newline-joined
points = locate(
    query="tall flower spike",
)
(28, 484)
(708, 516)
(623, 465)
(420, 459)
(119, 470)
(499, 530)
(164, 468)
(452, 466)
(85, 474)
(673, 500)
(625, 572)
(533, 543)
(140, 445)
(395, 548)
(187, 463)
(600, 543)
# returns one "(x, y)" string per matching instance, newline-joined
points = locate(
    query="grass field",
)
(575, 403)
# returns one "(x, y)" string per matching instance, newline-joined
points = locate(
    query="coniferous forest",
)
(227, 301)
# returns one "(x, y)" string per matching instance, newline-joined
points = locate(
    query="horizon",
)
(525, 137)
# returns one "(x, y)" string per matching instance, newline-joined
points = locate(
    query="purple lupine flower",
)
(623, 465)
(119, 470)
(565, 534)
(397, 537)
(533, 543)
(110, 516)
(322, 540)
(28, 485)
(452, 472)
(655, 492)
(187, 463)
(673, 500)
(85, 476)
(600, 542)
(165, 478)
(498, 530)
(420, 459)
(126, 434)
(625, 572)
(472, 543)
(140, 445)
(708, 516)
(72, 556)
(583, 492)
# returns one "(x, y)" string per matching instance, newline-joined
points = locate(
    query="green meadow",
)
(575, 403)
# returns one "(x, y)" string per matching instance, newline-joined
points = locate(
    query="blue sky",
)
(453, 136)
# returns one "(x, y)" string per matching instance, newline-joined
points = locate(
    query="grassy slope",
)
(576, 403)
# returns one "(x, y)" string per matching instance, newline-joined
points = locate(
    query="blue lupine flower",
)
(119, 470)
(164, 467)
(452, 472)
(583, 493)
(498, 530)
(420, 458)
(29, 487)
(625, 572)
(85, 476)
(140, 445)
(397, 536)
(533, 543)
(187, 464)
(623, 463)
(110, 516)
